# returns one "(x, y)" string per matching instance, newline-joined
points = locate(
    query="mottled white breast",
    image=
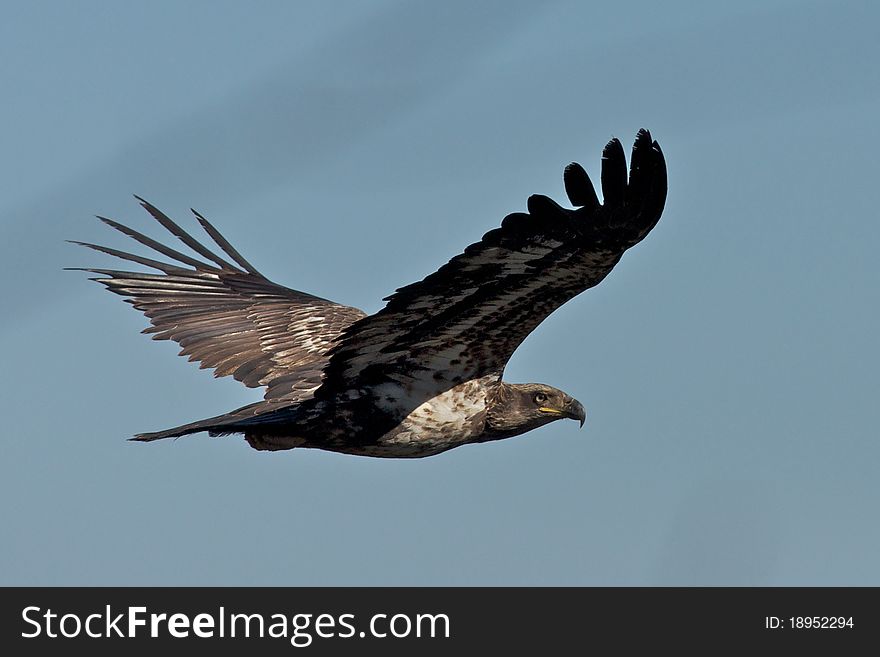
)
(445, 420)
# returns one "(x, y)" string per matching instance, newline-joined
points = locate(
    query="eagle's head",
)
(519, 407)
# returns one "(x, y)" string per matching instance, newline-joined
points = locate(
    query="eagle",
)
(423, 374)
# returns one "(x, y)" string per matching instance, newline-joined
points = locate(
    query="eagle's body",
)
(383, 425)
(422, 375)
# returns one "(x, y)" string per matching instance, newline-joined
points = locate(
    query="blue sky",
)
(728, 365)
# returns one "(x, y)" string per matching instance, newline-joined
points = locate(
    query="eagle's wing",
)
(465, 320)
(229, 316)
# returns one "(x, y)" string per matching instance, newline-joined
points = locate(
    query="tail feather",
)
(214, 426)
(261, 413)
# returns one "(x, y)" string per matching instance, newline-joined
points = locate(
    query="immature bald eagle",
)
(422, 375)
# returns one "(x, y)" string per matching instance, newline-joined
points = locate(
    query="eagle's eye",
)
(540, 398)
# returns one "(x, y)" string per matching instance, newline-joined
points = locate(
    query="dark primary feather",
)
(466, 319)
(227, 316)
(579, 188)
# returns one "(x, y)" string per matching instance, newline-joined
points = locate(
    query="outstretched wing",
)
(227, 315)
(465, 320)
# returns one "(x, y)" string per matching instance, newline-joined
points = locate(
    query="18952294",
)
(809, 623)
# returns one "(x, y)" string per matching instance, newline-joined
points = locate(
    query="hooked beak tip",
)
(576, 412)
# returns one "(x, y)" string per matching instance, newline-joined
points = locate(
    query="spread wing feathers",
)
(466, 319)
(227, 315)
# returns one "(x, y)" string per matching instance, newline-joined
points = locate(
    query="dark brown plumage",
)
(423, 374)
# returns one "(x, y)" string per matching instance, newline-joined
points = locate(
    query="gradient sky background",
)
(728, 365)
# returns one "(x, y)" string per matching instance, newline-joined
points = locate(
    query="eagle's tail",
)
(238, 421)
(215, 426)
